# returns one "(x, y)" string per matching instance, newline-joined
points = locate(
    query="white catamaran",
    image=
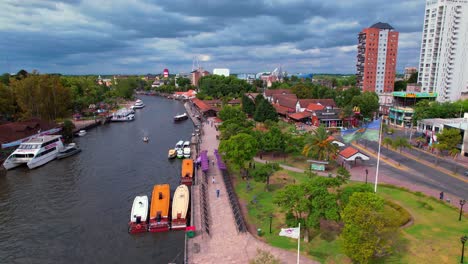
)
(35, 152)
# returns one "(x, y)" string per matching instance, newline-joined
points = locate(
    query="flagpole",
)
(378, 157)
(298, 243)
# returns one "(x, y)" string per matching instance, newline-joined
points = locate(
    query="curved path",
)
(224, 244)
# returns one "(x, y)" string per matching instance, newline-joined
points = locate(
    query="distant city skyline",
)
(141, 36)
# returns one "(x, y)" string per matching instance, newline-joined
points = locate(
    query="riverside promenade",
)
(223, 244)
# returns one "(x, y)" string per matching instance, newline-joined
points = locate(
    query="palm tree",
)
(387, 142)
(319, 146)
(400, 142)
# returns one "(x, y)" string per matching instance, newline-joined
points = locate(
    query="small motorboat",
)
(187, 172)
(69, 150)
(138, 104)
(145, 139)
(180, 153)
(81, 133)
(172, 154)
(186, 149)
(181, 117)
(139, 215)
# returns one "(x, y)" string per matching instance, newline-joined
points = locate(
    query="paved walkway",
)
(225, 245)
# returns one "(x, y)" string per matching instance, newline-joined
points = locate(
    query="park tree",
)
(344, 97)
(272, 140)
(387, 142)
(320, 202)
(265, 111)
(248, 106)
(291, 199)
(7, 101)
(318, 146)
(183, 82)
(239, 149)
(368, 103)
(449, 139)
(229, 112)
(235, 126)
(368, 232)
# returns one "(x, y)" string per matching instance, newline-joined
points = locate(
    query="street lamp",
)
(462, 203)
(367, 172)
(271, 219)
(463, 241)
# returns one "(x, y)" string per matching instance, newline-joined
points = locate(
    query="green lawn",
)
(433, 237)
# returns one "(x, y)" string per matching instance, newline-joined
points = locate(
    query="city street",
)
(419, 173)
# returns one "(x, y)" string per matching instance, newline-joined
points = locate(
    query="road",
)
(420, 173)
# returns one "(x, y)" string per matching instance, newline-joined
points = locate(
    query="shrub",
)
(404, 215)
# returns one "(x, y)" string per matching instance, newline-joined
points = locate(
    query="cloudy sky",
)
(145, 36)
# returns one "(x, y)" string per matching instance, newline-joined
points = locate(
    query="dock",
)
(221, 235)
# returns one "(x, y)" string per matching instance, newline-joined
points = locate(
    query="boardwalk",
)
(224, 244)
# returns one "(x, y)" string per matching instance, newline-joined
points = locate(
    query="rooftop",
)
(381, 25)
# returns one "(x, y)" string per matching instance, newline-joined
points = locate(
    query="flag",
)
(370, 132)
(292, 232)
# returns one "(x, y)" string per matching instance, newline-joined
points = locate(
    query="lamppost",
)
(463, 241)
(271, 219)
(462, 203)
(367, 172)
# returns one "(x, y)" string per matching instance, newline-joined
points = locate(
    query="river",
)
(76, 210)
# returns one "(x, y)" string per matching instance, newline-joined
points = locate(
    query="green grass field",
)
(432, 237)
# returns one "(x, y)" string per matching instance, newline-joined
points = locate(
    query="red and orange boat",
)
(187, 172)
(159, 212)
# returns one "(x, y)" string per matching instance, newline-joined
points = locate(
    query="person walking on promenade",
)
(212, 162)
(212, 180)
(217, 193)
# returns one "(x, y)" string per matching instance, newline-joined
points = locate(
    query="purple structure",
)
(205, 164)
(221, 164)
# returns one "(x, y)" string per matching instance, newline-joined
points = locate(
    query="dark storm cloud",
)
(140, 36)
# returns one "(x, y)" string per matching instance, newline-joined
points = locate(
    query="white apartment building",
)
(443, 65)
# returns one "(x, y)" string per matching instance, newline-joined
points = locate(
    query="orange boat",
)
(187, 172)
(159, 213)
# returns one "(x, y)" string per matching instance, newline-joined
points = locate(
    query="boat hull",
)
(36, 162)
(66, 155)
(180, 206)
(134, 228)
(171, 154)
(187, 172)
(8, 165)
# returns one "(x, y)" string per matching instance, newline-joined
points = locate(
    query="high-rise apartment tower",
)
(377, 57)
(443, 64)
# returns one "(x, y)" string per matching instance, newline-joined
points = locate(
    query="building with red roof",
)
(350, 155)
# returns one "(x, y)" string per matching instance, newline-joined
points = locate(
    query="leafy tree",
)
(318, 145)
(368, 232)
(183, 82)
(349, 190)
(291, 199)
(321, 204)
(235, 126)
(265, 111)
(399, 86)
(368, 102)
(7, 101)
(5, 78)
(273, 140)
(41, 96)
(449, 139)
(125, 87)
(218, 86)
(21, 74)
(413, 78)
(231, 112)
(344, 98)
(248, 106)
(67, 129)
(239, 149)
(258, 99)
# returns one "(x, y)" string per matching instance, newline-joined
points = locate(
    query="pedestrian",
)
(217, 193)
(212, 162)
(213, 180)
(441, 196)
(367, 172)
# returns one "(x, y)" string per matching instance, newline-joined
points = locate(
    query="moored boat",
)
(172, 154)
(139, 215)
(186, 149)
(35, 152)
(123, 115)
(69, 150)
(180, 204)
(179, 145)
(180, 153)
(81, 133)
(181, 117)
(187, 172)
(159, 212)
(138, 104)
(145, 139)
